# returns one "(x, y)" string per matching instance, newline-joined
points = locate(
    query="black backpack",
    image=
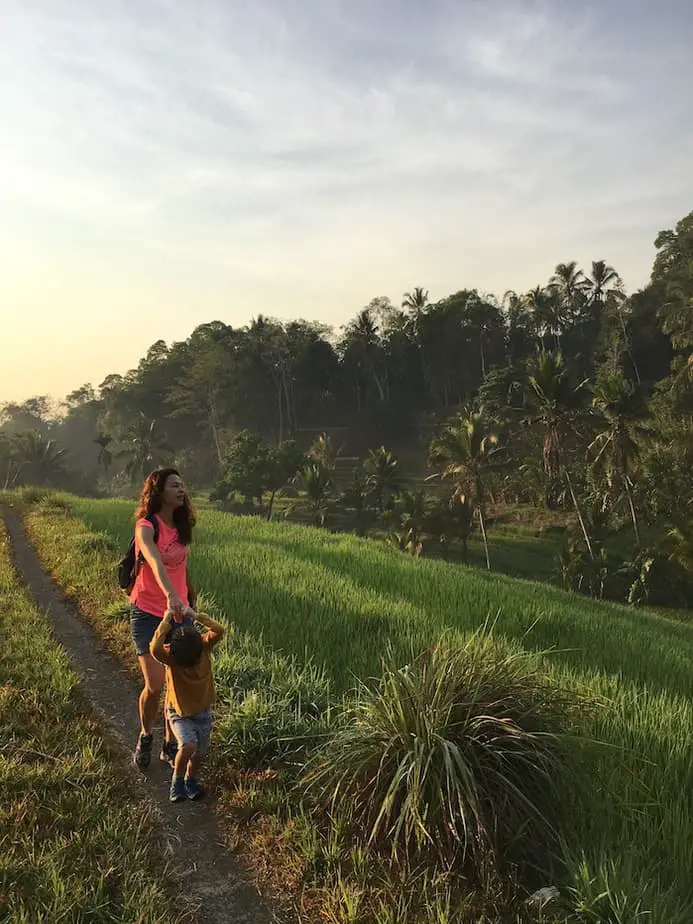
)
(129, 564)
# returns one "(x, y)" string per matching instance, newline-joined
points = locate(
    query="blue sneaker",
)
(193, 789)
(178, 790)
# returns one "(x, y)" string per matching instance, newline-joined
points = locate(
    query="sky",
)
(166, 163)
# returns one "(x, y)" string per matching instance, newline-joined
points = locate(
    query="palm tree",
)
(143, 447)
(416, 300)
(382, 476)
(465, 452)
(603, 280)
(547, 312)
(415, 303)
(679, 543)
(103, 440)
(317, 483)
(362, 347)
(413, 515)
(39, 459)
(450, 518)
(323, 452)
(553, 402)
(570, 284)
(621, 409)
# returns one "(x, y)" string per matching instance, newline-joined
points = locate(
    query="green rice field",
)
(343, 602)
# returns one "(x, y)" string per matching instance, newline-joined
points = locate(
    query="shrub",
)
(459, 758)
(30, 496)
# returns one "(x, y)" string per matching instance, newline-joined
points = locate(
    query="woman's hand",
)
(175, 607)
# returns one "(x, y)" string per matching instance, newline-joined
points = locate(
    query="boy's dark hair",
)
(186, 646)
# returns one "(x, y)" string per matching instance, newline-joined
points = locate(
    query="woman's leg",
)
(154, 675)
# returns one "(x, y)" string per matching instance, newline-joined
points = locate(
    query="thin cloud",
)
(346, 147)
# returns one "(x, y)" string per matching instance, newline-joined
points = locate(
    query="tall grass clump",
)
(462, 758)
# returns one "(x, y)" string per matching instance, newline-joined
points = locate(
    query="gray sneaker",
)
(143, 752)
(169, 749)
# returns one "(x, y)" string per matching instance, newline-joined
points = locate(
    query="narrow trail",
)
(218, 888)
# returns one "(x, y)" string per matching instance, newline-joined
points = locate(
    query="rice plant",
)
(338, 603)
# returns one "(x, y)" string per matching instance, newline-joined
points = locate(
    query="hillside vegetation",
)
(435, 426)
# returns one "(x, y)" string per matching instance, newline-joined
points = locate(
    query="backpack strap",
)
(155, 523)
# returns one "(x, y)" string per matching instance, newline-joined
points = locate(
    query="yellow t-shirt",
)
(189, 690)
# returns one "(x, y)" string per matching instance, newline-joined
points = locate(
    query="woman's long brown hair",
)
(151, 503)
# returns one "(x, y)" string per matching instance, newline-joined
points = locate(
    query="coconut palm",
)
(450, 518)
(362, 351)
(39, 459)
(570, 284)
(324, 453)
(415, 301)
(465, 452)
(382, 476)
(142, 446)
(679, 543)
(602, 281)
(621, 409)
(553, 403)
(318, 487)
(413, 515)
(547, 312)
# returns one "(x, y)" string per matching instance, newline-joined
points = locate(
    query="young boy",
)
(189, 695)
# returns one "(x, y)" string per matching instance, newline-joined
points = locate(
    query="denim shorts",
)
(191, 729)
(143, 626)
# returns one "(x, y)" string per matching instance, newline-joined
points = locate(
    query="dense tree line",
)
(571, 395)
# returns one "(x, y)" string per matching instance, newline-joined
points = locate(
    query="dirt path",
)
(219, 889)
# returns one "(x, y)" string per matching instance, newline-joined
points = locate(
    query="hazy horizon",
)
(165, 165)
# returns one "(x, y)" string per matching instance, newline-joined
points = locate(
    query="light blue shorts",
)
(191, 729)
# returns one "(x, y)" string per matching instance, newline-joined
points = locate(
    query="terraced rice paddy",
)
(342, 601)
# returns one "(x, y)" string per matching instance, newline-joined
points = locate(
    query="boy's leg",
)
(184, 731)
(193, 790)
(184, 759)
(203, 725)
(193, 767)
(178, 790)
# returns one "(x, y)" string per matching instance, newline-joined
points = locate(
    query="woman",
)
(162, 583)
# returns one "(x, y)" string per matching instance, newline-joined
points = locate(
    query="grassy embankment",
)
(342, 601)
(74, 844)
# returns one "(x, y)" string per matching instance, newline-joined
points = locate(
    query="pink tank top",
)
(146, 594)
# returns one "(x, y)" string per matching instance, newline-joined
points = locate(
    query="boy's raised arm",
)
(156, 646)
(216, 629)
